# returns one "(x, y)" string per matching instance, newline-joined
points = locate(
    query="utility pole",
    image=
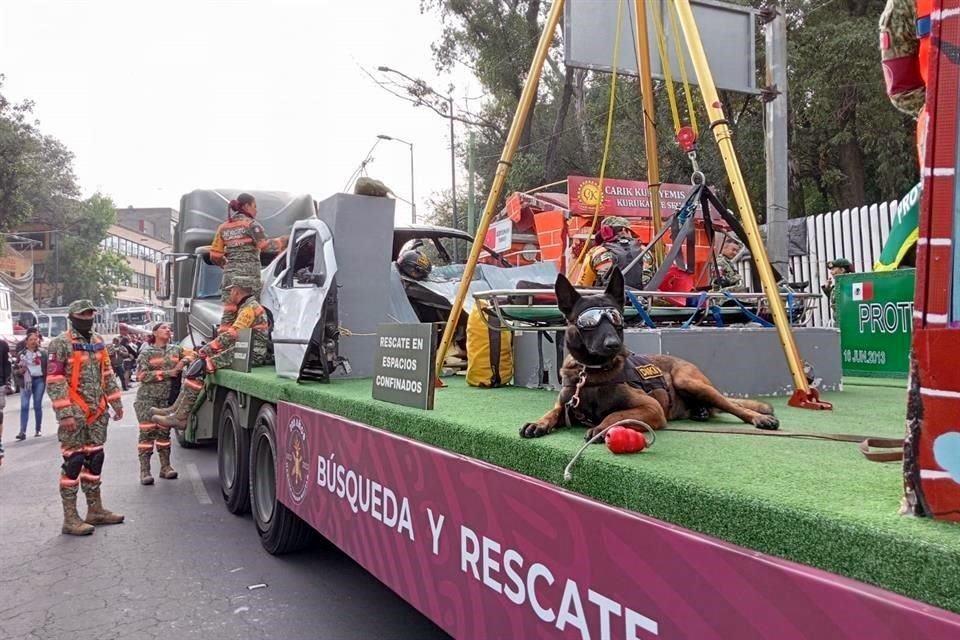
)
(453, 147)
(413, 195)
(453, 167)
(775, 119)
(56, 259)
(471, 201)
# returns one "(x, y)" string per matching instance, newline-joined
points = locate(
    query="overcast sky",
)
(159, 98)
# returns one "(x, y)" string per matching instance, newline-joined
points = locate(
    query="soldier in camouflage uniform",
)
(157, 366)
(616, 246)
(219, 353)
(836, 267)
(81, 384)
(236, 247)
(726, 275)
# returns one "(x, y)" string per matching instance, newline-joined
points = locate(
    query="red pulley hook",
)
(687, 139)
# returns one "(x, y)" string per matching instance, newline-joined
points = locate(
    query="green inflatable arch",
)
(903, 233)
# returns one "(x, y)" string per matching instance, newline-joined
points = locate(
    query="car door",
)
(297, 284)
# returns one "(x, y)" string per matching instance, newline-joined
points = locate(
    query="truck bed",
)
(813, 502)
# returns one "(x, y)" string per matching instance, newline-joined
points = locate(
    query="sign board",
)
(405, 368)
(499, 236)
(462, 541)
(627, 198)
(875, 312)
(727, 31)
(242, 351)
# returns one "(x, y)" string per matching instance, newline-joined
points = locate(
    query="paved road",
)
(179, 567)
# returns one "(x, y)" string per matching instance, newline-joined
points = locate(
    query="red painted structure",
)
(932, 450)
(552, 227)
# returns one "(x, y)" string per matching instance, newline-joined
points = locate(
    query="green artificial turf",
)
(813, 502)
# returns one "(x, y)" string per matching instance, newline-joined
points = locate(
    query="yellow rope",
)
(606, 145)
(674, 23)
(544, 186)
(665, 62)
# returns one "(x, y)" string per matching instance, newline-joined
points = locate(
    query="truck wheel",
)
(281, 531)
(233, 451)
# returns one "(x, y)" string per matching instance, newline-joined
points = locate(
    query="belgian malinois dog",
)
(603, 384)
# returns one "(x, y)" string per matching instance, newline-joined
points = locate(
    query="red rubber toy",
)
(625, 440)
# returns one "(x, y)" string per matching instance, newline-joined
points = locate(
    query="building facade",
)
(141, 245)
(153, 222)
(142, 254)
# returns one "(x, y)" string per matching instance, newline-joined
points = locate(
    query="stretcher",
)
(536, 309)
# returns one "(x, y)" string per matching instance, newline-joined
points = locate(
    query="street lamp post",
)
(453, 149)
(413, 197)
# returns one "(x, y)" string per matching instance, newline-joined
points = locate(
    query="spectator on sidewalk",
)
(5, 371)
(32, 367)
(130, 355)
(116, 361)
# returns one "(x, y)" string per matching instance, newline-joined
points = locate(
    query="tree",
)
(36, 172)
(849, 146)
(440, 208)
(37, 184)
(565, 131)
(86, 269)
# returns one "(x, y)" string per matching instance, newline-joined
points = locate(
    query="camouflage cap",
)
(79, 306)
(244, 282)
(617, 222)
(842, 263)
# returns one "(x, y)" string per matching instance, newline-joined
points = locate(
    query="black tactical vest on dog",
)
(640, 372)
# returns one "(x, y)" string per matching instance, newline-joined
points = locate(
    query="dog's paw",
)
(700, 414)
(534, 430)
(768, 423)
(589, 435)
(765, 409)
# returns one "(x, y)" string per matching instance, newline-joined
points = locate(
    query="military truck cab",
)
(188, 278)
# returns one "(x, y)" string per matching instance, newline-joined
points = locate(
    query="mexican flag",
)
(862, 291)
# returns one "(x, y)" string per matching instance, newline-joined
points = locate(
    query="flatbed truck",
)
(478, 530)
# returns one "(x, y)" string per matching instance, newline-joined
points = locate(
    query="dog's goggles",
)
(591, 318)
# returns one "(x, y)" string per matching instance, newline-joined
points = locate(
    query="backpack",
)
(624, 254)
(489, 350)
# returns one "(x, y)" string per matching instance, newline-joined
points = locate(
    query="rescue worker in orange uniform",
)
(81, 385)
(237, 246)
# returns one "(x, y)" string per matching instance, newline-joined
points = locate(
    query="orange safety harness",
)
(77, 360)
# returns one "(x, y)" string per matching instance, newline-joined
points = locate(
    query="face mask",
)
(83, 325)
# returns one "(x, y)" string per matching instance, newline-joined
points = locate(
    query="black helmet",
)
(414, 264)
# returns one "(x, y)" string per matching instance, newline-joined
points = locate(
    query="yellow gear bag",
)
(489, 350)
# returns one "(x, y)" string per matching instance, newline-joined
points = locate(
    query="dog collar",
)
(602, 367)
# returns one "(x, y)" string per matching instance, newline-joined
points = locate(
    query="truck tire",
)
(281, 531)
(233, 452)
